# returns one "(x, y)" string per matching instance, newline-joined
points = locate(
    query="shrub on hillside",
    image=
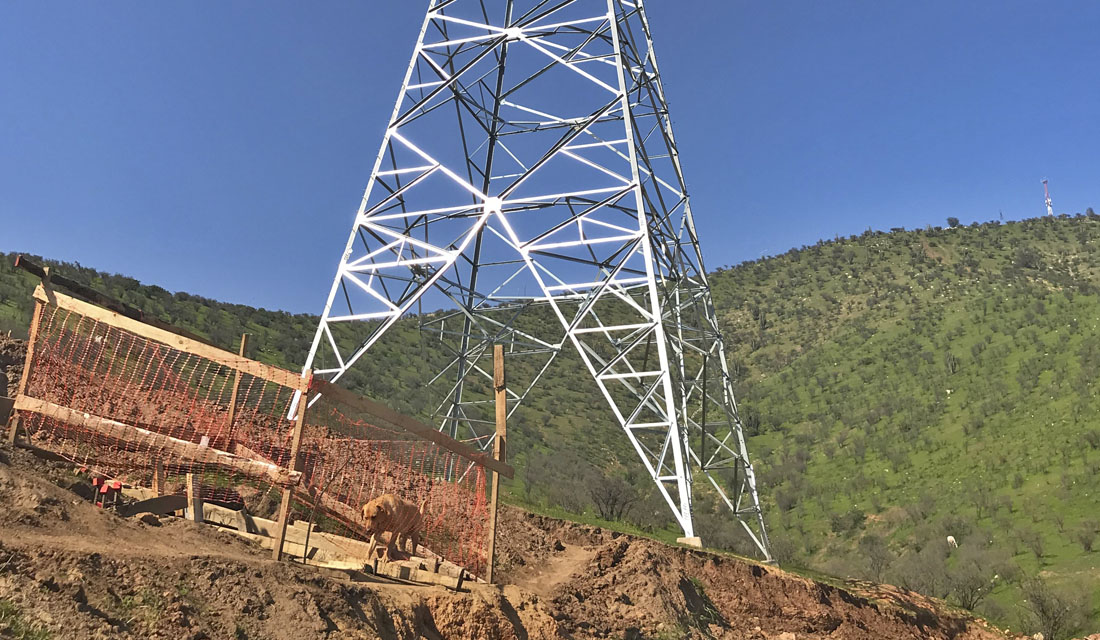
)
(1086, 534)
(848, 521)
(1056, 612)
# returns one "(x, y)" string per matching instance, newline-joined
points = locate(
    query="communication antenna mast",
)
(1046, 192)
(529, 187)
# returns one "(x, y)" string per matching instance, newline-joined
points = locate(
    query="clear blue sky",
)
(222, 147)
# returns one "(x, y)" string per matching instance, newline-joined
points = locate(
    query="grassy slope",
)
(938, 382)
(904, 385)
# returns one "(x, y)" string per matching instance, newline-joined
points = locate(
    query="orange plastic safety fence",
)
(143, 402)
(121, 404)
(353, 461)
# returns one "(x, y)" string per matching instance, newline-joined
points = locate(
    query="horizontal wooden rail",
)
(136, 327)
(160, 442)
(412, 425)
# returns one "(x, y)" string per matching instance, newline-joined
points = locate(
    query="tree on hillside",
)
(1028, 258)
(875, 550)
(612, 496)
(952, 222)
(951, 363)
(1056, 613)
(1086, 534)
(1033, 540)
(924, 571)
(560, 477)
(974, 575)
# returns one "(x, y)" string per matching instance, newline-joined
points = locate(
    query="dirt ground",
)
(71, 570)
(83, 572)
(12, 353)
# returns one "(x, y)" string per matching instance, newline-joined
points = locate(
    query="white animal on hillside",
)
(951, 542)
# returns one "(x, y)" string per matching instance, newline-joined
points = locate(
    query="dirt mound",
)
(619, 586)
(97, 595)
(12, 354)
(78, 571)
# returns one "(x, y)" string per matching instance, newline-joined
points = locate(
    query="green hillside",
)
(897, 387)
(908, 386)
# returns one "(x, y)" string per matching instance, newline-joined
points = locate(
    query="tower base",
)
(693, 541)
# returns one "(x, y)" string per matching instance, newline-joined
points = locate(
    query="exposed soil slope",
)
(83, 572)
(625, 587)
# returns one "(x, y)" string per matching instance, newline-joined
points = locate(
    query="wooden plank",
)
(403, 571)
(160, 505)
(295, 447)
(194, 498)
(280, 528)
(236, 388)
(157, 441)
(305, 526)
(500, 396)
(298, 549)
(349, 513)
(245, 452)
(320, 548)
(327, 542)
(240, 520)
(232, 360)
(32, 337)
(233, 518)
(138, 493)
(299, 424)
(412, 425)
(328, 549)
(100, 299)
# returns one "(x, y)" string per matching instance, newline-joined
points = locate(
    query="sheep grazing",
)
(951, 542)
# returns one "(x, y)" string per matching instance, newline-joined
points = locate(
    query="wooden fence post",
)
(194, 499)
(36, 319)
(500, 449)
(233, 398)
(295, 445)
(158, 478)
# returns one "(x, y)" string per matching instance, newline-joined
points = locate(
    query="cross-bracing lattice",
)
(529, 185)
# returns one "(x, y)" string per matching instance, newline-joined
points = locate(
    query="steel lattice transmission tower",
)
(529, 188)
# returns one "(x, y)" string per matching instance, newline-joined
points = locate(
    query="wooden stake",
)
(36, 319)
(194, 499)
(236, 388)
(500, 449)
(295, 443)
(158, 477)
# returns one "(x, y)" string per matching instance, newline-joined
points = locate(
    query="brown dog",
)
(399, 517)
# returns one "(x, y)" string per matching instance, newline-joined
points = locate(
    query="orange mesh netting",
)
(120, 403)
(351, 461)
(142, 402)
